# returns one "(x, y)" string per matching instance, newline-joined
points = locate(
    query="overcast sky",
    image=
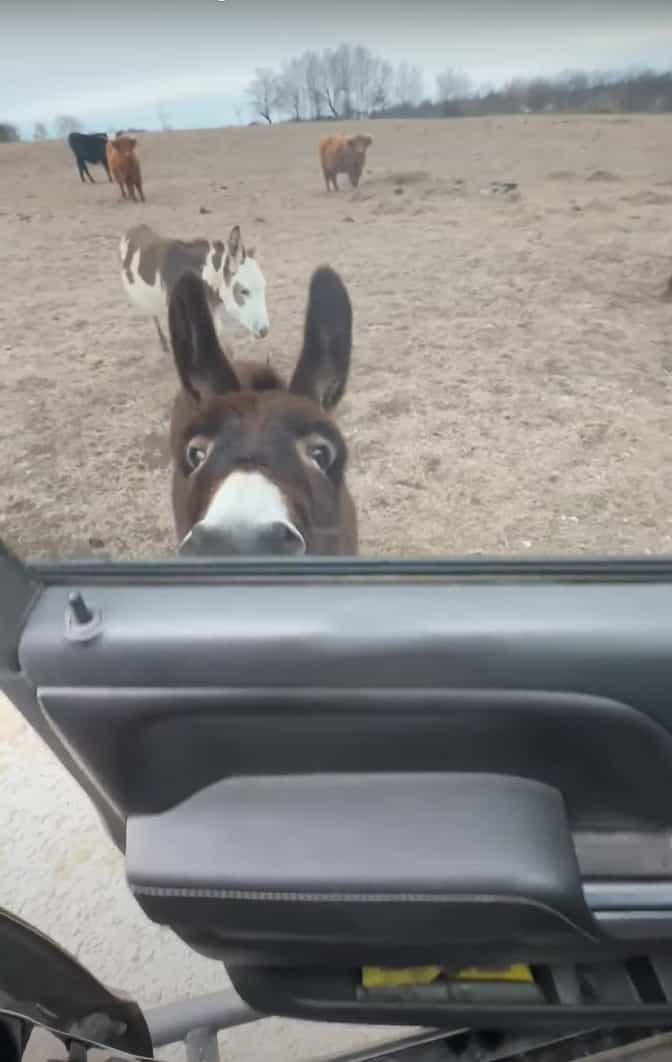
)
(114, 63)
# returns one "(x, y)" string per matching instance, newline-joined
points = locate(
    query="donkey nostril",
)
(286, 539)
(262, 332)
(199, 541)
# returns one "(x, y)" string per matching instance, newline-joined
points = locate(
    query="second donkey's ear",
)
(234, 246)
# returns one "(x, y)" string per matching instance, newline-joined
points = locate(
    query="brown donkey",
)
(259, 466)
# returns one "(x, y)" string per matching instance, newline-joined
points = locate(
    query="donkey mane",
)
(256, 376)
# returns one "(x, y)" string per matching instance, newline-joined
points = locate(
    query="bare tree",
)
(487, 88)
(9, 133)
(382, 85)
(342, 67)
(238, 112)
(452, 85)
(291, 89)
(539, 94)
(40, 131)
(337, 80)
(409, 85)
(361, 67)
(65, 124)
(347, 82)
(263, 91)
(517, 90)
(330, 85)
(313, 74)
(371, 81)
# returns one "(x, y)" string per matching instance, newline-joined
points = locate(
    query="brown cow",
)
(124, 166)
(343, 154)
(259, 466)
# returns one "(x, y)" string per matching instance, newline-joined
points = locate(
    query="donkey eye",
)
(244, 292)
(322, 455)
(317, 451)
(196, 452)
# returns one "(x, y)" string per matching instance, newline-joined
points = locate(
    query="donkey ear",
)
(202, 365)
(234, 243)
(324, 364)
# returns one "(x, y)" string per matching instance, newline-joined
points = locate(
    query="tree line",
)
(63, 124)
(573, 92)
(352, 82)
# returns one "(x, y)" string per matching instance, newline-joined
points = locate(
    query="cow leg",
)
(162, 339)
(131, 190)
(86, 171)
(106, 168)
(140, 191)
(123, 190)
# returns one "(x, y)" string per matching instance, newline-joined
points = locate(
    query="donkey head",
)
(259, 467)
(240, 283)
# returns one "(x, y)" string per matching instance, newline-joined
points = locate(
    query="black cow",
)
(89, 147)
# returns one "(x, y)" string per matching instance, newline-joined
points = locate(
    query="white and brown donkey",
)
(151, 265)
(259, 466)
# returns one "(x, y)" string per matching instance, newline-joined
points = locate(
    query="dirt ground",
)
(512, 373)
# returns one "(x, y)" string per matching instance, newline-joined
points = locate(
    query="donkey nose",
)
(285, 539)
(262, 332)
(275, 539)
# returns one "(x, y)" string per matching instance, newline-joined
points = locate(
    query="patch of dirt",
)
(604, 176)
(405, 177)
(648, 198)
(447, 186)
(562, 175)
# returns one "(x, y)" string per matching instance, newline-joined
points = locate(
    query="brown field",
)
(512, 373)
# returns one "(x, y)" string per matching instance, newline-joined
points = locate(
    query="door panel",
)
(134, 741)
(567, 684)
(187, 681)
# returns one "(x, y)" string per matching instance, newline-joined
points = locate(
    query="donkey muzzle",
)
(275, 539)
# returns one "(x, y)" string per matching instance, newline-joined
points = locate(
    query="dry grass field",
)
(512, 373)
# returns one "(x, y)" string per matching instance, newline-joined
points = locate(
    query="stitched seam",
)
(266, 896)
